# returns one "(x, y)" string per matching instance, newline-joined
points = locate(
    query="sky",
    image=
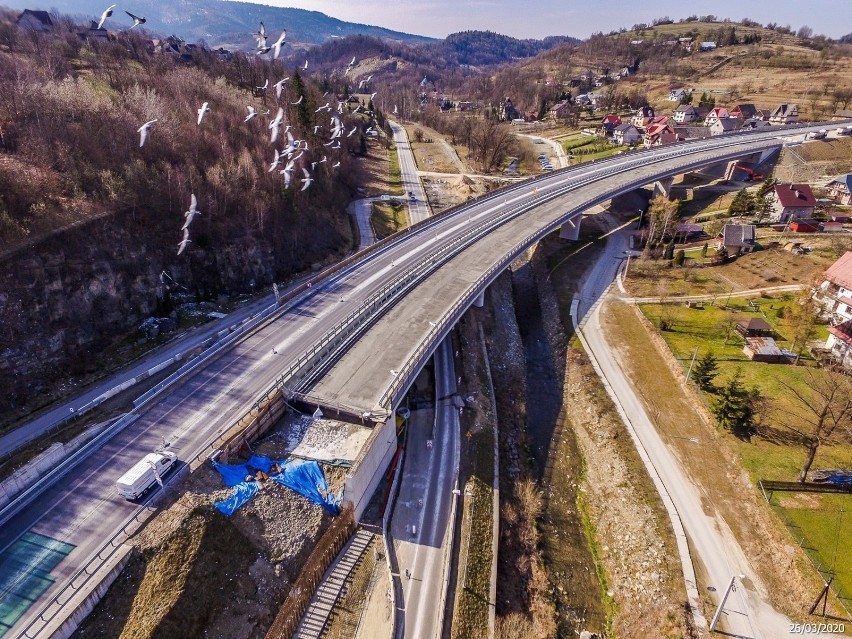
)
(540, 18)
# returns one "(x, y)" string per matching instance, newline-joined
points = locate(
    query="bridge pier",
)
(663, 187)
(479, 300)
(571, 229)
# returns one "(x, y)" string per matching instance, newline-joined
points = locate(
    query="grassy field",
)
(388, 218)
(816, 521)
(394, 173)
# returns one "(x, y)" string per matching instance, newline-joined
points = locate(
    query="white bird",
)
(106, 14)
(143, 131)
(336, 164)
(329, 143)
(370, 129)
(325, 94)
(394, 109)
(307, 180)
(184, 242)
(324, 107)
(275, 161)
(260, 36)
(279, 86)
(351, 133)
(287, 172)
(336, 146)
(202, 111)
(265, 85)
(276, 48)
(340, 107)
(275, 125)
(352, 62)
(373, 95)
(316, 128)
(361, 84)
(305, 68)
(296, 157)
(251, 113)
(299, 101)
(263, 49)
(314, 166)
(137, 20)
(192, 213)
(324, 159)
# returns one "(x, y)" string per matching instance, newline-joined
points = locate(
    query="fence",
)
(299, 597)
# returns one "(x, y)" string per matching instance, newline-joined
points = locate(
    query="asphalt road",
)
(419, 209)
(84, 508)
(711, 543)
(421, 533)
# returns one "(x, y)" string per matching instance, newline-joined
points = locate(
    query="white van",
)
(136, 481)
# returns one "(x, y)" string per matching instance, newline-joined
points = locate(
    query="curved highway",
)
(408, 292)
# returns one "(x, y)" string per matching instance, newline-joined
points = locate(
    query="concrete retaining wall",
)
(371, 464)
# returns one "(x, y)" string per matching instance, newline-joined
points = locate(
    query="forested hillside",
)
(90, 222)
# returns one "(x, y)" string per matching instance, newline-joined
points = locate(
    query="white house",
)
(626, 134)
(723, 125)
(685, 114)
(716, 114)
(834, 294)
(676, 95)
(791, 201)
(785, 114)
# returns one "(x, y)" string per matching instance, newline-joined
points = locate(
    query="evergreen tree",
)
(668, 254)
(304, 111)
(705, 371)
(741, 204)
(734, 406)
(680, 257)
(704, 250)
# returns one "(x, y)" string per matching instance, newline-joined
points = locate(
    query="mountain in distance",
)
(220, 22)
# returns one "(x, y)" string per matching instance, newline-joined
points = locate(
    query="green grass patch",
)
(388, 218)
(394, 173)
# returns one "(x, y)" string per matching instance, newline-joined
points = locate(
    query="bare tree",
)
(824, 409)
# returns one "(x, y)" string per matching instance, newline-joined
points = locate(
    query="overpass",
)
(351, 341)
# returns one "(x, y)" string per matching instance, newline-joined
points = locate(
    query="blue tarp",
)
(303, 477)
(242, 493)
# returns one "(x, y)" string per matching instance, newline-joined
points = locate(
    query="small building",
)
(692, 132)
(626, 134)
(38, 21)
(608, 124)
(464, 105)
(839, 343)
(715, 114)
(804, 225)
(736, 239)
(642, 115)
(842, 114)
(831, 227)
(763, 349)
(791, 200)
(754, 123)
(784, 114)
(840, 189)
(685, 114)
(754, 327)
(688, 232)
(659, 135)
(834, 294)
(723, 125)
(560, 110)
(508, 112)
(744, 111)
(676, 95)
(843, 218)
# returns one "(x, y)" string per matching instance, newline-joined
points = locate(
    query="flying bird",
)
(352, 62)
(263, 49)
(275, 125)
(287, 172)
(394, 109)
(204, 109)
(143, 131)
(316, 128)
(192, 213)
(373, 95)
(305, 68)
(184, 242)
(336, 164)
(106, 14)
(349, 135)
(299, 101)
(265, 85)
(137, 20)
(251, 113)
(260, 36)
(276, 48)
(307, 180)
(275, 161)
(279, 86)
(324, 107)
(361, 84)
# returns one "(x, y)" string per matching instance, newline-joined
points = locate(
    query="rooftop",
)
(840, 273)
(798, 195)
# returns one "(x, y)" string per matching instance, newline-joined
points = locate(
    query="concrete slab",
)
(327, 440)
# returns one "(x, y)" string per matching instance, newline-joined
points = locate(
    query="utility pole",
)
(689, 372)
(731, 586)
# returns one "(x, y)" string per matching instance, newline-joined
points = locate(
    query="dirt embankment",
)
(195, 572)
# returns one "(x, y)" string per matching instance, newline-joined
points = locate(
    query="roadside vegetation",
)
(388, 218)
(394, 172)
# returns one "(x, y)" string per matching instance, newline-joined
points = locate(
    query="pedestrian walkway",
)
(333, 586)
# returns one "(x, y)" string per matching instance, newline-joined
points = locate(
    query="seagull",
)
(369, 129)
(349, 135)
(184, 242)
(260, 36)
(361, 84)
(263, 49)
(204, 109)
(352, 62)
(314, 166)
(137, 20)
(275, 161)
(301, 153)
(324, 159)
(143, 131)
(336, 164)
(373, 95)
(324, 107)
(299, 101)
(307, 180)
(192, 213)
(394, 109)
(325, 94)
(305, 68)
(251, 113)
(279, 86)
(336, 146)
(275, 125)
(287, 172)
(276, 48)
(265, 85)
(340, 107)
(106, 14)
(316, 128)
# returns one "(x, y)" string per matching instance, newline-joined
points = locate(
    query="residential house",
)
(676, 95)
(754, 327)
(643, 114)
(839, 343)
(626, 134)
(686, 43)
(560, 110)
(763, 349)
(785, 114)
(464, 105)
(93, 34)
(736, 239)
(688, 232)
(685, 114)
(701, 112)
(791, 201)
(508, 111)
(583, 100)
(34, 21)
(723, 125)
(834, 293)
(608, 124)
(744, 111)
(715, 114)
(831, 226)
(754, 123)
(840, 188)
(693, 132)
(842, 114)
(659, 134)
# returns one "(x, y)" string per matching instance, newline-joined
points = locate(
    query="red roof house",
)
(792, 200)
